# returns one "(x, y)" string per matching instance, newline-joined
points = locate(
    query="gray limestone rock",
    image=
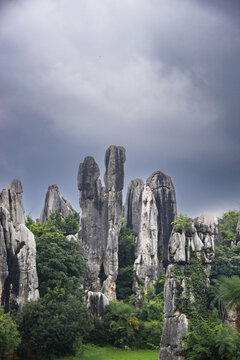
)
(18, 274)
(184, 246)
(146, 265)
(97, 303)
(101, 219)
(132, 214)
(164, 193)
(238, 229)
(54, 201)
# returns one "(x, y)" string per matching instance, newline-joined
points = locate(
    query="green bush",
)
(9, 334)
(51, 327)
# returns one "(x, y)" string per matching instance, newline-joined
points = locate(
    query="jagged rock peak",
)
(115, 158)
(17, 186)
(54, 201)
(164, 193)
(132, 212)
(101, 219)
(13, 203)
(206, 223)
(18, 274)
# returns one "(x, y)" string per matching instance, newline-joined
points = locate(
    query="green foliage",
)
(195, 280)
(209, 340)
(66, 226)
(227, 228)
(56, 323)
(126, 257)
(133, 325)
(226, 262)
(9, 335)
(182, 223)
(51, 327)
(126, 247)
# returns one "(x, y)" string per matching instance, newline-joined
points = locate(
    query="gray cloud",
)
(160, 78)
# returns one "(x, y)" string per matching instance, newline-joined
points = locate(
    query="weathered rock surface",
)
(18, 274)
(97, 303)
(133, 204)
(195, 242)
(146, 266)
(141, 218)
(238, 229)
(164, 193)
(101, 219)
(54, 201)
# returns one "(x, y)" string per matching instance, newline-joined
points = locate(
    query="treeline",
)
(59, 323)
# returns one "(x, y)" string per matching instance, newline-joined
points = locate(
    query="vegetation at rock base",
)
(126, 257)
(227, 228)
(9, 334)
(59, 320)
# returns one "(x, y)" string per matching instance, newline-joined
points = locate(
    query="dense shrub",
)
(9, 335)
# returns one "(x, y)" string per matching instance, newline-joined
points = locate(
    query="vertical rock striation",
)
(18, 274)
(132, 213)
(238, 229)
(155, 211)
(101, 220)
(146, 267)
(54, 201)
(164, 193)
(191, 251)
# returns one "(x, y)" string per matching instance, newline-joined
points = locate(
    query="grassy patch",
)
(92, 352)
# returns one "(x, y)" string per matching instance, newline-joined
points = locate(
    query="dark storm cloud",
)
(158, 77)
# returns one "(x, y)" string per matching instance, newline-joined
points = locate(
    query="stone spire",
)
(18, 274)
(54, 201)
(101, 220)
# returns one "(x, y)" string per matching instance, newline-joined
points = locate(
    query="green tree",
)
(126, 257)
(9, 334)
(227, 224)
(228, 293)
(56, 323)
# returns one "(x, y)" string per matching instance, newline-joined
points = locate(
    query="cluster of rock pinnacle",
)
(149, 211)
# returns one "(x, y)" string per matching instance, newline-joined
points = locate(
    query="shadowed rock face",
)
(142, 214)
(101, 218)
(54, 201)
(132, 213)
(238, 228)
(146, 267)
(18, 275)
(164, 193)
(183, 248)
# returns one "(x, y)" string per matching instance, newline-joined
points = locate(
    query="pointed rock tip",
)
(17, 186)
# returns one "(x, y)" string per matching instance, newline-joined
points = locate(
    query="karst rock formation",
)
(146, 266)
(18, 274)
(101, 222)
(238, 229)
(149, 212)
(54, 201)
(185, 247)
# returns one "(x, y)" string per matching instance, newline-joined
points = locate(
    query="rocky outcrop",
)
(191, 251)
(18, 274)
(156, 211)
(238, 229)
(54, 201)
(164, 193)
(101, 219)
(133, 204)
(146, 266)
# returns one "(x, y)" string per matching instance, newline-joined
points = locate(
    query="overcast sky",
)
(159, 77)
